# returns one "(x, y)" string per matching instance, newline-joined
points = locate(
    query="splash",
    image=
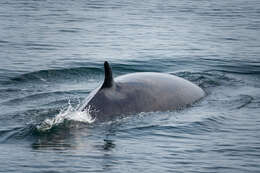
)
(69, 114)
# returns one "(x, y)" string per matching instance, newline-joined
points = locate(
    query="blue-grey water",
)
(51, 57)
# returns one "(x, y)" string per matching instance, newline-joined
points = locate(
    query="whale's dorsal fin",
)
(108, 82)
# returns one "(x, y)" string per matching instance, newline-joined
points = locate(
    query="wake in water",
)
(68, 114)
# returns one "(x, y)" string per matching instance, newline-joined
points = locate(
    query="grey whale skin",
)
(140, 92)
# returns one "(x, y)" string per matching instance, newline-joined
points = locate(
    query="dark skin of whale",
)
(140, 92)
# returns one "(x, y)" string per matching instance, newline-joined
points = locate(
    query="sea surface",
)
(51, 57)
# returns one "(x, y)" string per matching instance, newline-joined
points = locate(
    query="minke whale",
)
(140, 92)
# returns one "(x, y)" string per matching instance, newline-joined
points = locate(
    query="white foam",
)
(71, 114)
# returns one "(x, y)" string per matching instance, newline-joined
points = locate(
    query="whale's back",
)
(143, 92)
(161, 91)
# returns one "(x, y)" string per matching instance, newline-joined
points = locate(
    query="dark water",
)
(51, 55)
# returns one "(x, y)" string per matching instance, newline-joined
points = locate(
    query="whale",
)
(139, 92)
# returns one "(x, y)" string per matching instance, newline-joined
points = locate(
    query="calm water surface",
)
(51, 56)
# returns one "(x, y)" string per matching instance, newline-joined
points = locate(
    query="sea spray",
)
(68, 114)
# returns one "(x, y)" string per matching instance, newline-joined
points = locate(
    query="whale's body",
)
(140, 92)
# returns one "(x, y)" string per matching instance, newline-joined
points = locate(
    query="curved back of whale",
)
(141, 92)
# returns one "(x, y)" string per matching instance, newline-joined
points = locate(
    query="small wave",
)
(57, 74)
(8, 133)
(207, 79)
(3, 41)
(42, 95)
(174, 124)
(16, 132)
(72, 30)
(65, 115)
(237, 102)
(244, 67)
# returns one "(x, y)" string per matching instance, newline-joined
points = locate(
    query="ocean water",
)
(51, 58)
